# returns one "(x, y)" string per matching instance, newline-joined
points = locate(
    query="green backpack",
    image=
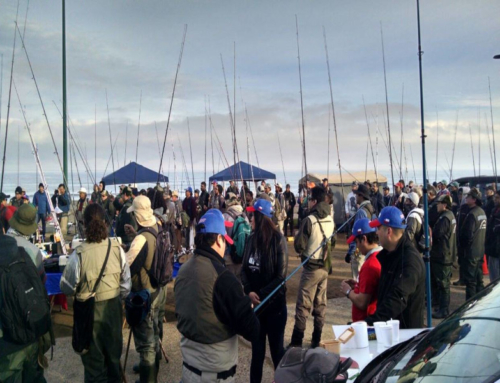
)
(241, 231)
(185, 219)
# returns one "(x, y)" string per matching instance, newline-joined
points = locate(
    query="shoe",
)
(440, 314)
(297, 337)
(316, 338)
(135, 368)
(459, 283)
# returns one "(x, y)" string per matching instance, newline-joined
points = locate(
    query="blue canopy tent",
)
(133, 173)
(248, 173)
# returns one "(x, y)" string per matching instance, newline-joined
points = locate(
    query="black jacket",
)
(444, 248)
(401, 290)
(492, 245)
(273, 269)
(290, 201)
(489, 206)
(377, 201)
(203, 200)
(473, 233)
(433, 212)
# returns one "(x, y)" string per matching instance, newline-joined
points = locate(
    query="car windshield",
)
(463, 348)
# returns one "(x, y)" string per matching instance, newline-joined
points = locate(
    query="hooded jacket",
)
(414, 225)
(310, 236)
(401, 291)
(272, 271)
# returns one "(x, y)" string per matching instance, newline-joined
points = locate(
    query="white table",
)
(363, 356)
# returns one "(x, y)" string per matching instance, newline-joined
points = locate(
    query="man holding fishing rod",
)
(314, 230)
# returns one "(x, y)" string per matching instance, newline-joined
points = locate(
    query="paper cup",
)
(385, 335)
(360, 334)
(376, 326)
(395, 329)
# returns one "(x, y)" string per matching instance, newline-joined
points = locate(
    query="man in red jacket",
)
(363, 292)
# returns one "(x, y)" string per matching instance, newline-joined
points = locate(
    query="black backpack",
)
(24, 304)
(162, 266)
(315, 365)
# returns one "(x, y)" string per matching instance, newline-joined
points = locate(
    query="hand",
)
(351, 282)
(129, 230)
(254, 298)
(347, 258)
(344, 287)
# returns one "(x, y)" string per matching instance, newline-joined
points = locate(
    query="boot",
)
(147, 374)
(459, 283)
(316, 338)
(297, 337)
(440, 314)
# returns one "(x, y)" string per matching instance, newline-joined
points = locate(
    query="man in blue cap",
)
(211, 308)
(363, 292)
(401, 291)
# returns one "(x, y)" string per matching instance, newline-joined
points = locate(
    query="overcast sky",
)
(126, 47)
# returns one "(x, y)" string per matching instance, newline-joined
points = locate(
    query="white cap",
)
(83, 190)
(414, 198)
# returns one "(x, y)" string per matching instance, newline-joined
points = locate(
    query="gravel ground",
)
(67, 367)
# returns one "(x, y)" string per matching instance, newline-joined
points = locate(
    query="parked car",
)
(465, 347)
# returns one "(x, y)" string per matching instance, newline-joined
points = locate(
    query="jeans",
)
(272, 324)
(41, 217)
(494, 268)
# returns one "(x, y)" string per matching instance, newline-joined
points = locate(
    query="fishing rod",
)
(387, 103)
(247, 124)
(479, 141)
(472, 150)
(95, 141)
(328, 146)
(370, 138)
(493, 135)
(437, 144)
(71, 166)
(211, 138)
(236, 155)
(366, 160)
(321, 246)
(251, 135)
(1, 88)
(138, 134)
(333, 114)
(205, 174)
(281, 154)
(186, 173)
(453, 151)
(191, 151)
(109, 159)
(221, 151)
(76, 167)
(18, 154)
(401, 144)
(352, 175)
(489, 144)
(172, 102)
(175, 167)
(55, 221)
(8, 102)
(302, 104)
(111, 143)
(126, 141)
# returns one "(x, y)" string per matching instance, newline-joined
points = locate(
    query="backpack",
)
(314, 365)
(162, 266)
(185, 219)
(25, 306)
(239, 235)
(421, 240)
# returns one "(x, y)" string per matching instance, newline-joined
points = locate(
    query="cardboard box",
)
(332, 346)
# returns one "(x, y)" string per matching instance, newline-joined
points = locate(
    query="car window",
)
(463, 350)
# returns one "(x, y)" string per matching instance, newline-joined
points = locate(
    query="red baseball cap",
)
(399, 184)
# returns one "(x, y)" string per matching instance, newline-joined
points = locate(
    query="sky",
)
(125, 48)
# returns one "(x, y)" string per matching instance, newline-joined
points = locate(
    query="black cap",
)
(324, 179)
(40, 185)
(3, 197)
(363, 191)
(19, 190)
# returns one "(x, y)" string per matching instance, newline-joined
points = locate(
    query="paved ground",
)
(66, 365)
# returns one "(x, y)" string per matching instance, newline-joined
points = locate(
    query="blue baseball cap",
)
(189, 189)
(213, 222)
(263, 206)
(361, 227)
(390, 216)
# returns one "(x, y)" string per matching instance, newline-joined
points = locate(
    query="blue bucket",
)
(177, 266)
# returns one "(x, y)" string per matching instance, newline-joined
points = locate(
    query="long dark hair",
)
(95, 226)
(264, 234)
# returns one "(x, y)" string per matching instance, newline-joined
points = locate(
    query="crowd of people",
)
(233, 283)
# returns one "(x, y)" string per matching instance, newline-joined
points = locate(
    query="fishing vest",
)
(476, 249)
(92, 256)
(444, 248)
(369, 210)
(316, 237)
(194, 290)
(140, 280)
